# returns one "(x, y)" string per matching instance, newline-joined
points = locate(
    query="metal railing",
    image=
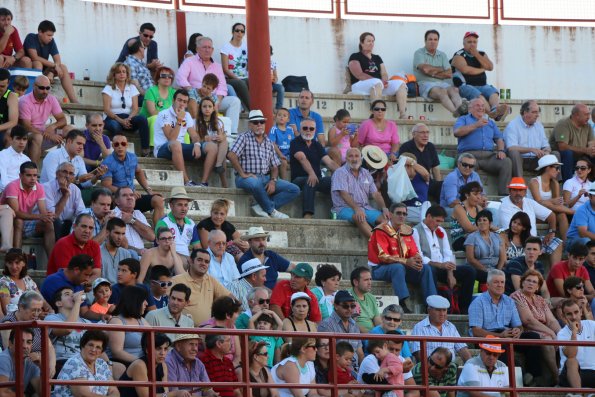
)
(46, 383)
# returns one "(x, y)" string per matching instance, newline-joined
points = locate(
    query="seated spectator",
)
(140, 76)
(160, 95)
(87, 365)
(297, 367)
(260, 176)
(23, 196)
(31, 372)
(223, 266)
(301, 111)
(437, 324)
(529, 260)
(582, 227)
(101, 212)
(184, 366)
(64, 199)
(344, 359)
(545, 189)
(442, 371)
(13, 156)
(164, 254)
(190, 76)
(342, 135)
(469, 67)
(484, 370)
(139, 369)
(459, 177)
(420, 180)
(282, 135)
(120, 106)
(394, 257)
(171, 315)
(146, 33)
(97, 145)
(225, 311)
(258, 299)
(465, 213)
(285, 289)
(102, 291)
(15, 281)
(367, 313)
(267, 320)
(370, 370)
(211, 131)
(277, 87)
(76, 243)
(234, 62)
(9, 113)
(137, 227)
(112, 251)
(160, 280)
(186, 236)
(257, 239)
(434, 75)
(575, 190)
(576, 362)
(351, 199)
(369, 76)
(306, 157)
(236, 245)
(525, 140)
(35, 108)
(39, 47)
(484, 250)
(253, 276)
(128, 270)
(171, 126)
(571, 137)
(516, 201)
(6, 228)
(519, 230)
(219, 367)
(379, 131)
(321, 363)
(297, 320)
(125, 347)
(259, 371)
(12, 52)
(20, 85)
(573, 266)
(391, 368)
(590, 261)
(205, 289)
(538, 323)
(327, 280)
(392, 319)
(482, 138)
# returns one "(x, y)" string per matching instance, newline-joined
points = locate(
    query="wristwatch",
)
(132, 221)
(274, 179)
(551, 231)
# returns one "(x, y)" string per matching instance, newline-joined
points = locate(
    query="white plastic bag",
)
(399, 185)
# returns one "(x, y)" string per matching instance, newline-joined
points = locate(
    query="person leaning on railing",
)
(259, 373)
(297, 367)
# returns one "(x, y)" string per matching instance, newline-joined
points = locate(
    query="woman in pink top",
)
(379, 131)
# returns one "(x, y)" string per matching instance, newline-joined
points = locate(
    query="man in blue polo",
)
(302, 111)
(582, 227)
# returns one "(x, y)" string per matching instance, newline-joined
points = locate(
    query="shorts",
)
(471, 92)
(426, 86)
(551, 247)
(363, 87)
(165, 153)
(193, 94)
(587, 377)
(143, 204)
(29, 229)
(346, 214)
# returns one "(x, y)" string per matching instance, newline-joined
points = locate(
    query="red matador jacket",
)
(386, 242)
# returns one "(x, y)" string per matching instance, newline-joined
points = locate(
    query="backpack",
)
(295, 83)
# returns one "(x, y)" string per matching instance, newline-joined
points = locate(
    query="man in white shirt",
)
(223, 265)
(170, 128)
(12, 157)
(137, 228)
(577, 363)
(432, 241)
(484, 370)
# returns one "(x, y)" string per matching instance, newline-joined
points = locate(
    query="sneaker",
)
(257, 209)
(191, 183)
(499, 112)
(203, 184)
(279, 215)
(462, 110)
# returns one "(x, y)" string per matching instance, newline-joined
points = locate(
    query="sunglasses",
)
(258, 122)
(394, 319)
(401, 213)
(148, 36)
(263, 301)
(239, 31)
(162, 284)
(348, 306)
(123, 102)
(582, 167)
(467, 165)
(556, 167)
(433, 364)
(166, 238)
(379, 109)
(308, 128)
(311, 347)
(322, 346)
(580, 286)
(166, 76)
(43, 88)
(118, 144)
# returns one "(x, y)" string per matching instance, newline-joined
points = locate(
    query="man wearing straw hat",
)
(253, 275)
(485, 370)
(181, 227)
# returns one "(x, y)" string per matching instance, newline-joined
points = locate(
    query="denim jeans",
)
(280, 90)
(285, 192)
(399, 275)
(138, 123)
(309, 192)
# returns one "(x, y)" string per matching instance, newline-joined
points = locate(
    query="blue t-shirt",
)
(421, 189)
(584, 216)
(56, 281)
(32, 42)
(117, 289)
(121, 172)
(282, 138)
(274, 261)
(7, 368)
(483, 138)
(295, 117)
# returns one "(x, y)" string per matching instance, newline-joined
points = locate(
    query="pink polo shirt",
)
(38, 112)
(193, 70)
(27, 200)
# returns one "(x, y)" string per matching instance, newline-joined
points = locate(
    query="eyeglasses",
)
(43, 87)
(171, 238)
(308, 128)
(263, 301)
(68, 172)
(123, 102)
(258, 122)
(379, 109)
(433, 364)
(148, 36)
(311, 347)
(394, 319)
(580, 286)
(322, 346)
(467, 165)
(239, 31)
(166, 76)
(401, 213)
(162, 284)
(118, 144)
(582, 167)
(348, 306)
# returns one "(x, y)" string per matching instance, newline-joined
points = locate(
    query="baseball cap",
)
(304, 270)
(470, 33)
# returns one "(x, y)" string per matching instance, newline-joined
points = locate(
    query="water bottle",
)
(32, 259)
(86, 75)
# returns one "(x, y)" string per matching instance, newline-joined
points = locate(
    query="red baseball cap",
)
(470, 34)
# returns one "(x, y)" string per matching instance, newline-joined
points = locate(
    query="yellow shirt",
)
(204, 292)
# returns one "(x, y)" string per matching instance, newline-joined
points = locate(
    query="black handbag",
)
(295, 83)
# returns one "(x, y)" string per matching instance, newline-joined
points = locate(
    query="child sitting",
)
(102, 291)
(342, 135)
(160, 283)
(344, 359)
(209, 84)
(211, 129)
(266, 320)
(20, 85)
(281, 136)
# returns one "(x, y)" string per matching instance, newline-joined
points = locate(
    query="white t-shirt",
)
(531, 207)
(117, 95)
(585, 355)
(134, 239)
(574, 185)
(237, 58)
(475, 374)
(168, 117)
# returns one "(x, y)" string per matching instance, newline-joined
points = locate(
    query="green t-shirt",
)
(368, 310)
(152, 95)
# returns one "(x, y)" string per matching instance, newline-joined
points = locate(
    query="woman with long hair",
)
(210, 129)
(519, 230)
(574, 190)
(15, 281)
(297, 367)
(234, 60)
(259, 372)
(464, 214)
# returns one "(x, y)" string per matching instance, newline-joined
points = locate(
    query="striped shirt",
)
(255, 158)
(359, 188)
(483, 313)
(425, 328)
(220, 370)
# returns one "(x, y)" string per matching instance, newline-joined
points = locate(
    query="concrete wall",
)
(533, 61)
